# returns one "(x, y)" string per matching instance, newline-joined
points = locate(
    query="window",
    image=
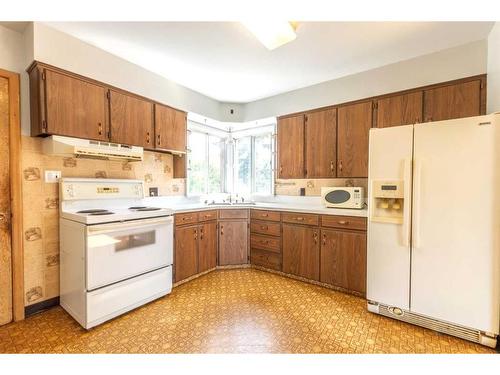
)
(205, 163)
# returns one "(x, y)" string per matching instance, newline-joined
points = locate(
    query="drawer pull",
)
(264, 241)
(264, 215)
(207, 216)
(222, 230)
(299, 218)
(99, 128)
(343, 222)
(264, 227)
(187, 218)
(315, 236)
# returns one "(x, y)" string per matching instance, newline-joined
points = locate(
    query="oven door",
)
(118, 251)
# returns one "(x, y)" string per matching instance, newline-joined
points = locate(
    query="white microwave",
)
(343, 197)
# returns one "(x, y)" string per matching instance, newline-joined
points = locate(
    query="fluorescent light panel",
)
(271, 33)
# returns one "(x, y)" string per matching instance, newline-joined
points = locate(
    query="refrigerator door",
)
(388, 250)
(455, 255)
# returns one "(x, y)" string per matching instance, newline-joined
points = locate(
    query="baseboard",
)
(40, 306)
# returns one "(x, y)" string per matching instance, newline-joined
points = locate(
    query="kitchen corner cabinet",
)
(233, 237)
(343, 259)
(301, 251)
(398, 110)
(353, 125)
(290, 145)
(207, 246)
(65, 105)
(321, 143)
(131, 120)
(170, 129)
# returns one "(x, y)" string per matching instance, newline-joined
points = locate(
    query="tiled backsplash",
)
(313, 186)
(41, 205)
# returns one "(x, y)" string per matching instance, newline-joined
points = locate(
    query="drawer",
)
(265, 215)
(186, 218)
(265, 259)
(207, 215)
(233, 214)
(265, 227)
(345, 222)
(308, 219)
(265, 243)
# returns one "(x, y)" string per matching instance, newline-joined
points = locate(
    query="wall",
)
(494, 69)
(41, 204)
(458, 62)
(313, 186)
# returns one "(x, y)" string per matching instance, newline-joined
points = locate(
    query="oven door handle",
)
(136, 224)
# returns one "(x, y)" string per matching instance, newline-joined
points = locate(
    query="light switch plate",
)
(52, 177)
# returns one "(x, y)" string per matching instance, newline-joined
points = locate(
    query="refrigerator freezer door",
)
(455, 255)
(388, 259)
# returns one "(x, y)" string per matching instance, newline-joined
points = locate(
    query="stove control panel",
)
(87, 188)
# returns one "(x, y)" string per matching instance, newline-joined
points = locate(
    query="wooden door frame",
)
(17, 258)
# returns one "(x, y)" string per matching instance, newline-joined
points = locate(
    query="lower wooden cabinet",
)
(186, 252)
(301, 250)
(233, 242)
(207, 246)
(343, 259)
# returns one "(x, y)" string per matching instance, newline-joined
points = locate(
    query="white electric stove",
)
(116, 252)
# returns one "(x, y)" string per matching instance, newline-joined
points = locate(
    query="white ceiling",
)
(224, 61)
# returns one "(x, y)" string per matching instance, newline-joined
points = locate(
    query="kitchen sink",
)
(230, 203)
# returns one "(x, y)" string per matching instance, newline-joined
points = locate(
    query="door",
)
(233, 242)
(343, 259)
(453, 101)
(75, 108)
(170, 128)
(398, 110)
(321, 144)
(353, 124)
(207, 246)
(291, 147)
(131, 120)
(301, 251)
(186, 252)
(456, 216)
(388, 252)
(5, 239)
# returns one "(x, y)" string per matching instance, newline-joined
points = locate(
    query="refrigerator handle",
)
(407, 201)
(417, 187)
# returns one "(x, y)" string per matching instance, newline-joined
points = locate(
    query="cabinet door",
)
(321, 144)
(291, 147)
(343, 259)
(207, 246)
(186, 252)
(233, 242)
(353, 126)
(400, 110)
(453, 101)
(75, 108)
(170, 128)
(301, 251)
(131, 120)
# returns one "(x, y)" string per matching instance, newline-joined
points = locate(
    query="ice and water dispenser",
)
(387, 201)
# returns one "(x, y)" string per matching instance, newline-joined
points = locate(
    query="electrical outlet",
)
(153, 191)
(52, 177)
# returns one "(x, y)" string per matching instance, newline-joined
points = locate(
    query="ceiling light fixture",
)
(272, 33)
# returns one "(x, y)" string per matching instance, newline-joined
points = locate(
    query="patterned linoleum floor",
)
(235, 311)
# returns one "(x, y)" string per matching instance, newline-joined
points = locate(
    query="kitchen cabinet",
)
(321, 143)
(233, 242)
(265, 239)
(401, 109)
(186, 252)
(170, 129)
(453, 101)
(290, 145)
(343, 259)
(353, 125)
(301, 251)
(131, 120)
(65, 105)
(207, 246)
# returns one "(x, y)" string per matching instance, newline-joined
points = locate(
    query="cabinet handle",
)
(264, 215)
(187, 218)
(343, 222)
(99, 128)
(207, 216)
(324, 239)
(195, 234)
(340, 165)
(264, 227)
(299, 218)
(148, 139)
(264, 241)
(315, 236)
(331, 166)
(159, 139)
(201, 233)
(281, 169)
(222, 230)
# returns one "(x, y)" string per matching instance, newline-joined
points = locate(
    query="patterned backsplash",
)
(41, 205)
(313, 186)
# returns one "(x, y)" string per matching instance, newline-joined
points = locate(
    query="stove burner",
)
(93, 211)
(148, 209)
(136, 207)
(101, 213)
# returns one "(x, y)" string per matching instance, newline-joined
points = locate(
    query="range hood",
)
(83, 148)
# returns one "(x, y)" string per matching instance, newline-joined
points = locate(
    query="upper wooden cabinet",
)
(453, 101)
(131, 120)
(353, 125)
(64, 105)
(170, 129)
(291, 147)
(321, 143)
(398, 110)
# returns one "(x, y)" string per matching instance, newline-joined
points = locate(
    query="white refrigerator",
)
(434, 226)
